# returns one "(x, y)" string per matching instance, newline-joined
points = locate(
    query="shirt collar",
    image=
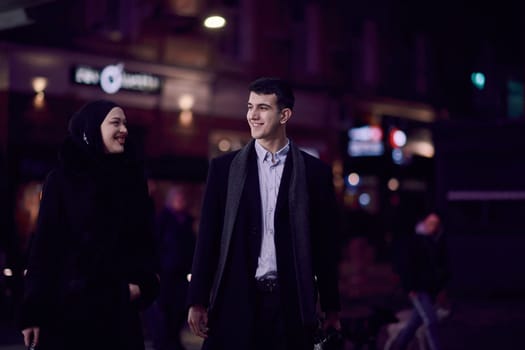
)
(264, 154)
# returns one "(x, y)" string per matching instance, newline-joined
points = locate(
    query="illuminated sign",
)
(365, 141)
(114, 78)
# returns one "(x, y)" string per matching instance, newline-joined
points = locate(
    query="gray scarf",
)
(298, 204)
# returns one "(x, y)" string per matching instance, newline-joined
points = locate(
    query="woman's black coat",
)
(93, 238)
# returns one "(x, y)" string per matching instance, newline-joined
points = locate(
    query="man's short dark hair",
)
(277, 86)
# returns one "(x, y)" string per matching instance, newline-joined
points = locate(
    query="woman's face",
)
(114, 131)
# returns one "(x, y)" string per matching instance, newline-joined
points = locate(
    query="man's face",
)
(178, 202)
(431, 223)
(264, 117)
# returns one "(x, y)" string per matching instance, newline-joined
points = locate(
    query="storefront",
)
(178, 117)
(388, 166)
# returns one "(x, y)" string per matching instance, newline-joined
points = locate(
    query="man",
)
(175, 244)
(267, 238)
(422, 266)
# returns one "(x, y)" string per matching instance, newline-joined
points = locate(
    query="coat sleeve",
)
(326, 236)
(145, 260)
(207, 247)
(46, 254)
(405, 262)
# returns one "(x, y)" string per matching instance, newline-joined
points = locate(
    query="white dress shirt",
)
(270, 167)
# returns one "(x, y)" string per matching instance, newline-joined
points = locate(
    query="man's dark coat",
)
(224, 267)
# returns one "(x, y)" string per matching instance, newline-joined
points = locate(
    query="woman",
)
(91, 265)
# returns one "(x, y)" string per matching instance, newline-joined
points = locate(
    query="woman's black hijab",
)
(84, 126)
(84, 150)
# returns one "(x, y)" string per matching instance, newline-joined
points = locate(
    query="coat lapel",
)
(251, 202)
(236, 180)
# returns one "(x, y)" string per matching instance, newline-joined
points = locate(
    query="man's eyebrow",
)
(260, 104)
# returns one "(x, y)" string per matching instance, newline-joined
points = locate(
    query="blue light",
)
(397, 156)
(478, 79)
(364, 199)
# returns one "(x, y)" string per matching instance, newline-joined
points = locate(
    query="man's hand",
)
(134, 292)
(198, 320)
(31, 335)
(332, 321)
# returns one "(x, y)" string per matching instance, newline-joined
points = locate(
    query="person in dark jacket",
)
(267, 242)
(422, 267)
(175, 242)
(91, 267)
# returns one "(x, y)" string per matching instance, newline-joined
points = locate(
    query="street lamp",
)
(39, 86)
(214, 22)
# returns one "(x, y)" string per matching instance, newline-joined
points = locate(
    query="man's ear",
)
(286, 114)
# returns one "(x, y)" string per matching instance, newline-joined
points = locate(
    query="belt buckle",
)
(271, 284)
(268, 284)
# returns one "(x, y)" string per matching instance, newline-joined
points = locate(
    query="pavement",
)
(11, 339)
(474, 323)
(485, 323)
(374, 307)
(482, 324)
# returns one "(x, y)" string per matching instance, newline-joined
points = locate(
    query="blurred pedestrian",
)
(422, 267)
(175, 242)
(267, 238)
(91, 266)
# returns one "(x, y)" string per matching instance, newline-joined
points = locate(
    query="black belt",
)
(267, 284)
